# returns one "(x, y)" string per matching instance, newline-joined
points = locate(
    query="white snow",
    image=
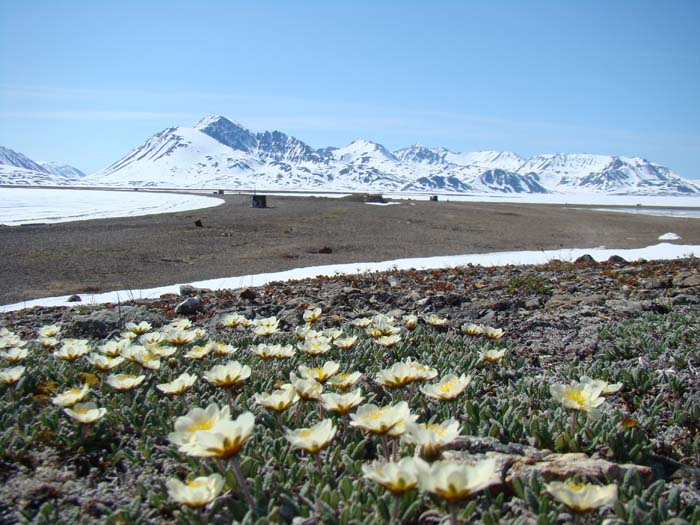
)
(592, 199)
(669, 237)
(36, 205)
(658, 251)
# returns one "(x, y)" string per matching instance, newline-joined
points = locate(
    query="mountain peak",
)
(227, 132)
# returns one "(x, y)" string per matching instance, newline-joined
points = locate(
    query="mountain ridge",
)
(217, 152)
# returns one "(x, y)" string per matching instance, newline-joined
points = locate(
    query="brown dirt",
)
(155, 250)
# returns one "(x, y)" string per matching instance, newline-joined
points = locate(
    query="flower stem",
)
(395, 509)
(574, 423)
(385, 441)
(453, 514)
(242, 483)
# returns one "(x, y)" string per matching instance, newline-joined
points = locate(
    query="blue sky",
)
(84, 82)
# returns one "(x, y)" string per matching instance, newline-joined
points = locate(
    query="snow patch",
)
(669, 237)
(34, 205)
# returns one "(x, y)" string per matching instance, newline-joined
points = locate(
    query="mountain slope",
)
(220, 153)
(18, 169)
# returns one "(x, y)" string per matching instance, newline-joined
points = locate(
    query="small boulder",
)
(190, 306)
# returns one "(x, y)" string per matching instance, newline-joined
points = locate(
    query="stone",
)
(686, 279)
(248, 294)
(188, 290)
(74, 299)
(325, 250)
(190, 306)
(585, 259)
(102, 323)
(616, 259)
(656, 283)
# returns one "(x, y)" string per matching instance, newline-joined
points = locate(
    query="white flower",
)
(584, 395)
(345, 343)
(179, 385)
(71, 397)
(398, 477)
(344, 381)
(9, 376)
(410, 322)
(114, 348)
(492, 355)
(197, 492)
(342, 403)
(124, 382)
(320, 374)
(225, 439)
(313, 439)
(199, 352)
(227, 375)
(397, 375)
(72, 349)
(436, 320)
(455, 482)
(197, 420)
(51, 330)
(86, 413)
(472, 329)
(607, 389)
(362, 322)
(315, 345)
(265, 351)
(493, 333)
(266, 326)
(278, 400)
(179, 324)
(15, 354)
(308, 389)
(582, 497)
(387, 341)
(380, 420)
(236, 320)
(311, 315)
(139, 328)
(448, 388)
(152, 339)
(103, 362)
(431, 437)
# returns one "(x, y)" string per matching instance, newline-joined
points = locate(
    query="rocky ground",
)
(552, 314)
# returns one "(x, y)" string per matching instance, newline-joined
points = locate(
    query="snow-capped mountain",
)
(18, 169)
(62, 170)
(220, 153)
(9, 157)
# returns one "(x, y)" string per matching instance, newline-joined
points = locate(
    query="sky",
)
(84, 82)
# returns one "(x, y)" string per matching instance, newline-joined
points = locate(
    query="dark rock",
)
(74, 299)
(198, 224)
(616, 259)
(585, 259)
(325, 249)
(248, 294)
(190, 306)
(188, 290)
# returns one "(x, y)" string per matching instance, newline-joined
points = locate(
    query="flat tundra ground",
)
(235, 239)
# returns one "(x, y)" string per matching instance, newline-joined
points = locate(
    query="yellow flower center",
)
(80, 410)
(195, 484)
(202, 424)
(306, 433)
(576, 487)
(576, 395)
(447, 386)
(438, 429)
(376, 414)
(73, 392)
